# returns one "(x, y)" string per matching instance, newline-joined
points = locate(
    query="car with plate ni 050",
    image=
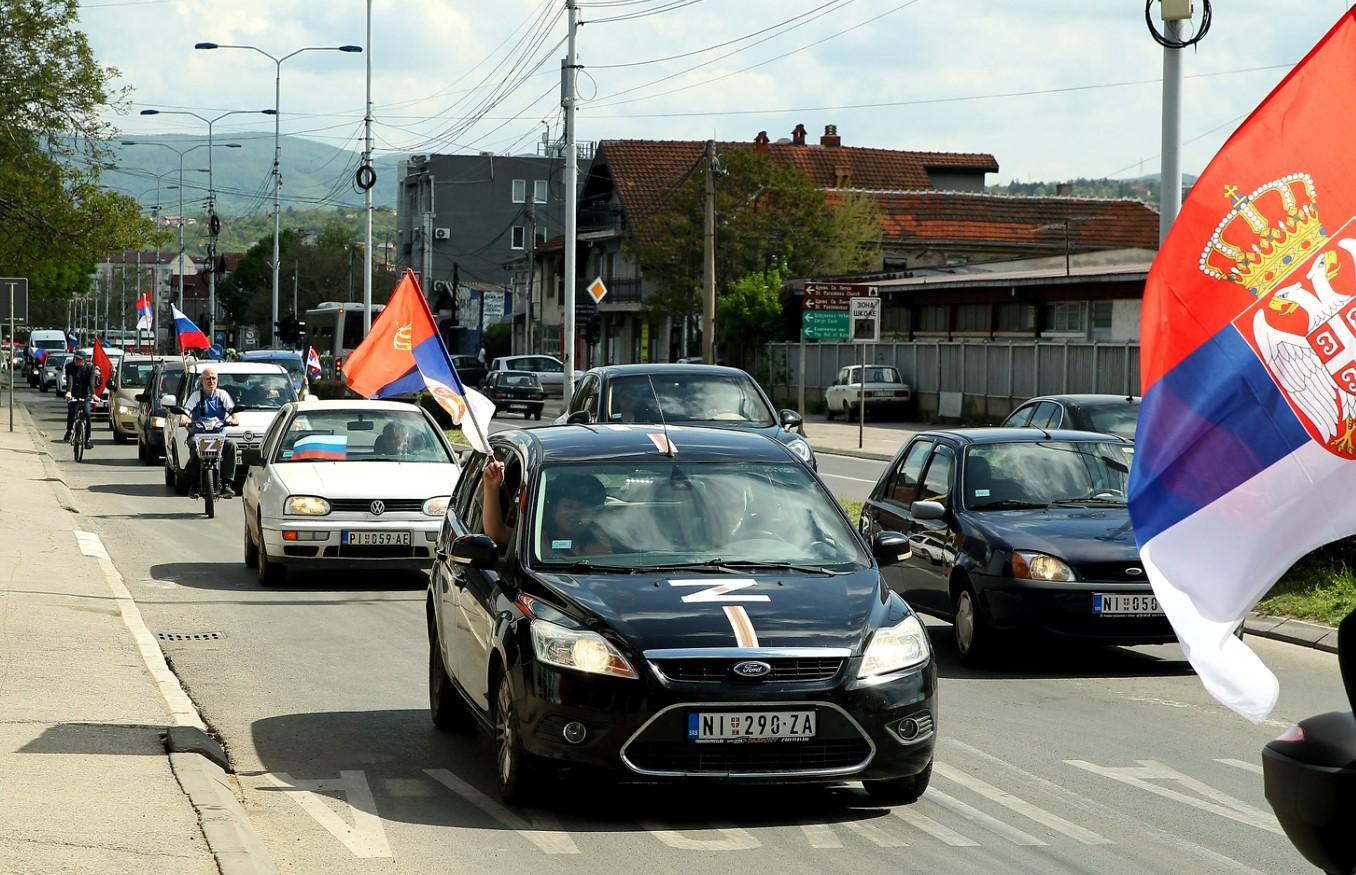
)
(680, 604)
(1018, 531)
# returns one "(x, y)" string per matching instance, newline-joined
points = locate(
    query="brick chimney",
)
(1064, 189)
(830, 137)
(760, 143)
(798, 135)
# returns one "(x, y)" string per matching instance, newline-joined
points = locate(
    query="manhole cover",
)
(190, 636)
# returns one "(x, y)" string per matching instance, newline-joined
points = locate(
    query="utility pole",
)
(369, 183)
(709, 259)
(531, 269)
(1170, 181)
(569, 71)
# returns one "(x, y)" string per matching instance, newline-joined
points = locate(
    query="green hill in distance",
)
(1142, 188)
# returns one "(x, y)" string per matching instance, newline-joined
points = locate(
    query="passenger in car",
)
(570, 524)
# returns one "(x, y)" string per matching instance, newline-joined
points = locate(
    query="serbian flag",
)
(101, 361)
(144, 313)
(190, 335)
(1245, 454)
(404, 353)
(312, 364)
(320, 448)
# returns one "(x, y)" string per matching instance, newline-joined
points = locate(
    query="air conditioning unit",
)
(442, 286)
(442, 233)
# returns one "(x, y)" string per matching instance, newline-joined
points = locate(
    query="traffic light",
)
(289, 329)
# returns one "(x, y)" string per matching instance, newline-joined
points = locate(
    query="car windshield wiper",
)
(1079, 502)
(590, 567)
(743, 565)
(1011, 504)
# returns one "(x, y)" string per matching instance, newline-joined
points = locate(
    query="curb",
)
(49, 467)
(234, 843)
(1305, 634)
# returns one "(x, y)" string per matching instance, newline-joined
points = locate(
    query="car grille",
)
(1119, 572)
(789, 756)
(375, 551)
(364, 505)
(710, 671)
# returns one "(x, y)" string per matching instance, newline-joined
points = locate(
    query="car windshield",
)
(57, 361)
(662, 513)
(360, 436)
(1041, 473)
(878, 375)
(135, 373)
(50, 344)
(1118, 419)
(686, 399)
(260, 391)
(291, 362)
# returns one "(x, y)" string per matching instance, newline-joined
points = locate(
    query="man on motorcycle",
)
(209, 411)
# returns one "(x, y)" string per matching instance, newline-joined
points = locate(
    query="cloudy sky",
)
(1053, 88)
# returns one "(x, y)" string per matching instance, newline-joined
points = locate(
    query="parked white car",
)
(886, 392)
(550, 371)
(350, 484)
(262, 388)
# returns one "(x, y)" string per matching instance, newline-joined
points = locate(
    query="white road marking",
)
(542, 830)
(820, 835)
(733, 838)
(1011, 833)
(874, 834)
(366, 837)
(919, 820)
(1241, 764)
(1171, 703)
(1214, 801)
(1020, 806)
(181, 708)
(844, 477)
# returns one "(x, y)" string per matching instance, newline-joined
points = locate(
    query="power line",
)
(645, 13)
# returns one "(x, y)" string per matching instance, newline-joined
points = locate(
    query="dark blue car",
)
(1018, 530)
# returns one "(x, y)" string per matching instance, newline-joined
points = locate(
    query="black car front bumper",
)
(639, 728)
(1065, 610)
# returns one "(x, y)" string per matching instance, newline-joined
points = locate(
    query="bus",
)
(335, 328)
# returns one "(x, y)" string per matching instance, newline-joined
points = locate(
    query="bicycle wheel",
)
(78, 438)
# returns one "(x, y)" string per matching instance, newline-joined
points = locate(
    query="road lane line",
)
(874, 834)
(820, 835)
(921, 821)
(845, 477)
(1011, 833)
(1241, 764)
(366, 837)
(1113, 815)
(1021, 806)
(542, 830)
(733, 838)
(181, 708)
(1215, 802)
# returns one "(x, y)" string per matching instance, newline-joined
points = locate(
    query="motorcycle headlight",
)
(800, 448)
(896, 648)
(305, 505)
(437, 505)
(1038, 566)
(579, 650)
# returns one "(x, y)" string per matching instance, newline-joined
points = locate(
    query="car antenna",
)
(668, 444)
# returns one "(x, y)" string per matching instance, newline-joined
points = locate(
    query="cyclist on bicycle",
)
(82, 378)
(206, 404)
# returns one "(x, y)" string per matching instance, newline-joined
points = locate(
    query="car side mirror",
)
(890, 547)
(477, 551)
(175, 408)
(927, 510)
(579, 417)
(791, 420)
(141, 397)
(167, 400)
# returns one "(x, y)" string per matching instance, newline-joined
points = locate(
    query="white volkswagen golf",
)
(348, 484)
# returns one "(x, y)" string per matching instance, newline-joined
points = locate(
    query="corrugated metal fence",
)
(991, 376)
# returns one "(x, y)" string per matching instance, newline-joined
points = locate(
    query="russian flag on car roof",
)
(404, 353)
(190, 335)
(320, 448)
(1246, 447)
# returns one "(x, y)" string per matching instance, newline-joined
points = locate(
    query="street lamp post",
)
(277, 146)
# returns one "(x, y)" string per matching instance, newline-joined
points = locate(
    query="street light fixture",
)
(277, 145)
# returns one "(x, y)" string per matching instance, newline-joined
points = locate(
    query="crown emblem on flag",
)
(1266, 234)
(403, 339)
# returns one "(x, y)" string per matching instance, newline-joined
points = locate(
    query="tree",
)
(750, 311)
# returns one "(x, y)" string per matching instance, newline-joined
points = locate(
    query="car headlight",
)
(800, 448)
(158, 421)
(305, 505)
(437, 505)
(1038, 566)
(122, 410)
(895, 648)
(580, 650)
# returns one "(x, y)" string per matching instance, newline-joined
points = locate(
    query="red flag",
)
(383, 364)
(105, 367)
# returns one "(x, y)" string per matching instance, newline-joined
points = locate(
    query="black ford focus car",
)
(1018, 531)
(681, 605)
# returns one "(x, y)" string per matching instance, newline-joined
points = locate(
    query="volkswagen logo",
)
(377, 507)
(1134, 572)
(751, 669)
(248, 436)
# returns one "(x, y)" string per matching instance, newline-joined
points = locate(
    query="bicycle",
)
(80, 429)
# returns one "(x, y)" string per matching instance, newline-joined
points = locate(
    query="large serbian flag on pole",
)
(190, 335)
(1245, 456)
(404, 353)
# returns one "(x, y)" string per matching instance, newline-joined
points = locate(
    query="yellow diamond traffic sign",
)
(597, 290)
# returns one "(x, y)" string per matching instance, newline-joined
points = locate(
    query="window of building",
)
(1068, 317)
(1100, 318)
(538, 191)
(1015, 317)
(972, 317)
(932, 318)
(540, 234)
(519, 237)
(519, 190)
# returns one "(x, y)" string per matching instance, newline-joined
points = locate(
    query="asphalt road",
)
(1102, 761)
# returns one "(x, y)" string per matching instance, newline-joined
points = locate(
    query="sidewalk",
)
(879, 440)
(86, 785)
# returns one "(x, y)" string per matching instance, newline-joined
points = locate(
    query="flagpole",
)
(470, 409)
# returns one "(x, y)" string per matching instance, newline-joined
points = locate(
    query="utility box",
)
(1175, 10)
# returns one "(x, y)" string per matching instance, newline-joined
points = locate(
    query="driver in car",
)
(206, 407)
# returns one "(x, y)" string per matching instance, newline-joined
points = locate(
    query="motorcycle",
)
(210, 443)
(1310, 774)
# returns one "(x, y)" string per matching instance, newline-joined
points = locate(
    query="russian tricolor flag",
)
(1245, 454)
(190, 335)
(320, 448)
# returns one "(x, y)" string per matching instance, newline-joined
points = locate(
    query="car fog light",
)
(908, 729)
(575, 732)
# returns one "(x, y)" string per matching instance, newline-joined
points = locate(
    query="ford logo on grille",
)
(1134, 572)
(751, 669)
(377, 507)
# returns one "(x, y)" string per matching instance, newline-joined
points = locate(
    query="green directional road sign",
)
(825, 324)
